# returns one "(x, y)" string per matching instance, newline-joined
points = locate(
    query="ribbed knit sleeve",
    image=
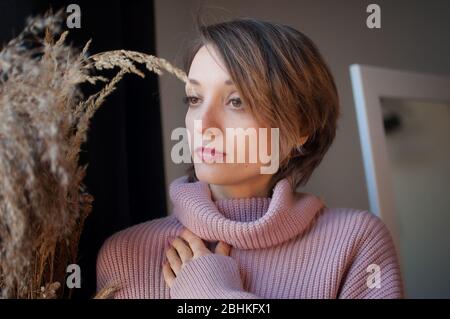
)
(211, 276)
(375, 271)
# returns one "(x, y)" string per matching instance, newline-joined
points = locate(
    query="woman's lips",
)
(208, 154)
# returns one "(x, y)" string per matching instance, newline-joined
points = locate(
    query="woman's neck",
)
(253, 187)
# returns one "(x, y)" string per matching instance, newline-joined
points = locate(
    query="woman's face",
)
(215, 105)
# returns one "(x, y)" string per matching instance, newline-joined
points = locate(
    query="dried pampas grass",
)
(44, 120)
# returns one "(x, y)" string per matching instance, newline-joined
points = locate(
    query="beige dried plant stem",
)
(44, 120)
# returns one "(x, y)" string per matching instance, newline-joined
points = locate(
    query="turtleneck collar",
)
(245, 223)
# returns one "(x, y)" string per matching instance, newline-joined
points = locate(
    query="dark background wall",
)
(124, 149)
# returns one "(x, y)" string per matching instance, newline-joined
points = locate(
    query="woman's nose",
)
(209, 118)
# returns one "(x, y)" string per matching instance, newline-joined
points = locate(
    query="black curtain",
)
(124, 149)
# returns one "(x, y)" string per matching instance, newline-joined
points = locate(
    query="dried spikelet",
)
(107, 292)
(125, 60)
(49, 291)
(43, 123)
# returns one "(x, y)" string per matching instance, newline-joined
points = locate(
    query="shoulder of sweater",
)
(361, 224)
(130, 253)
(154, 226)
(133, 238)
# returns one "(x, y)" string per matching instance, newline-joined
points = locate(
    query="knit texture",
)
(289, 246)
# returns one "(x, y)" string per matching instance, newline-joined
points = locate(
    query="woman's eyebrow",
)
(195, 82)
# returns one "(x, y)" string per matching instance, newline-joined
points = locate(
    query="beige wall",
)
(414, 36)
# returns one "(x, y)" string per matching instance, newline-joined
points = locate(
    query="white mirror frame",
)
(369, 85)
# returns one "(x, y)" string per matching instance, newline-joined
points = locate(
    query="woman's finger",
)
(222, 248)
(169, 276)
(183, 249)
(174, 260)
(196, 244)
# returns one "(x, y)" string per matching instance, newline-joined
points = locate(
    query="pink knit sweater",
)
(287, 246)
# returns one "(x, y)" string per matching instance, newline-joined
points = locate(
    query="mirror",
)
(417, 140)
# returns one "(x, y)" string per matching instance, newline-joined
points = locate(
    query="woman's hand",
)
(185, 248)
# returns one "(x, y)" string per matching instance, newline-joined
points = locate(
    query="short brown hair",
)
(284, 79)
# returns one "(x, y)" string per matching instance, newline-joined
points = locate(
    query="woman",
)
(236, 232)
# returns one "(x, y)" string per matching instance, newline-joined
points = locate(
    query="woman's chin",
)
(212, 173)
(219, 174)
(224, 174)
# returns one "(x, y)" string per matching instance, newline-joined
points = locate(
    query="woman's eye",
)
(191, 100)
(236, 103)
